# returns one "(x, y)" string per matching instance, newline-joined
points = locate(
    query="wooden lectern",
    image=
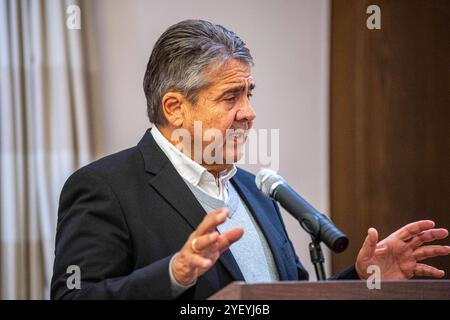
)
(336, 290)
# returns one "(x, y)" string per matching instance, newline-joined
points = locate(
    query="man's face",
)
(224, 105)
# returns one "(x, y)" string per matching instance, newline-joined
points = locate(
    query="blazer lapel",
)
(170, 185)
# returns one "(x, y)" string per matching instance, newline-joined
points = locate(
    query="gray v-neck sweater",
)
(252, 252)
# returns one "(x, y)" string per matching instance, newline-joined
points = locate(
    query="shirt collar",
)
(189, 170)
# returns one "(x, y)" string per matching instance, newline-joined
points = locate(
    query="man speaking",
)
(158, 221)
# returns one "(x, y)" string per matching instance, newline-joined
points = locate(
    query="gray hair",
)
(180, 57)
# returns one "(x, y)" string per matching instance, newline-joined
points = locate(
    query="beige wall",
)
(289, 42)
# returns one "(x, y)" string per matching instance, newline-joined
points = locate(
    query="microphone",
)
(315, 223)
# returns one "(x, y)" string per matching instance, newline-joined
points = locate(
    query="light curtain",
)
(44, 136)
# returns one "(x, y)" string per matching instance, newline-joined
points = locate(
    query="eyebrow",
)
(236, 89)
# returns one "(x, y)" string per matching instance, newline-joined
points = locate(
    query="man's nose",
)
(246, 112)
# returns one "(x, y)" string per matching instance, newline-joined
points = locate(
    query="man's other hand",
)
(398, 255)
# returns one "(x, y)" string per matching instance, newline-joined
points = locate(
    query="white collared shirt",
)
(192, 171)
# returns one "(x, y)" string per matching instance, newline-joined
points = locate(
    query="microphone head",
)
(267, 180)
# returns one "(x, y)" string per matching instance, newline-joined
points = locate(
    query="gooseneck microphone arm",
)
(320, 228)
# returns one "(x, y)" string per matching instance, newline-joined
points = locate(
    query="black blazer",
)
(123, 217)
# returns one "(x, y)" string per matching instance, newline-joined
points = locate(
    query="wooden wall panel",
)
(389, 119)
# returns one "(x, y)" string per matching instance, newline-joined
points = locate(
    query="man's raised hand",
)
(203, 247)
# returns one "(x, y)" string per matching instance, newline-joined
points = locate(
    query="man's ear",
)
(173, 108)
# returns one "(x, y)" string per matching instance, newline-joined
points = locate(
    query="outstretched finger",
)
(227, 238)
(203, 242)
(424, 270)
(427, 252)
(370, 243)
(211, 221)
(410, 230)
(428, 236)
